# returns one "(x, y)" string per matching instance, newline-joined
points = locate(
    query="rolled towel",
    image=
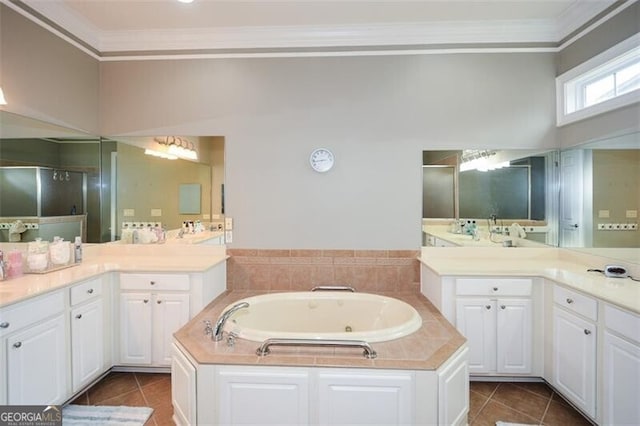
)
(15, 229)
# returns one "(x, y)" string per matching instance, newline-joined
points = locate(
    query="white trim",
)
(336, 53)
(562, 81)
(578, 14)
(596, 24)
(471, 32)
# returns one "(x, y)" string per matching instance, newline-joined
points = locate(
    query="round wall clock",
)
(321, 160)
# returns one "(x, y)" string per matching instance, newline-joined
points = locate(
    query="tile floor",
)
(134, 389)
(528, 403)
(489, 402)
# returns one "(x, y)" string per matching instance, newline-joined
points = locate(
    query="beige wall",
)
(377, 114)
(46, 78)
(616, 187)
(146, 183)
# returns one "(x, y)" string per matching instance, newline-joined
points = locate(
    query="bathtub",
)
(323, 315)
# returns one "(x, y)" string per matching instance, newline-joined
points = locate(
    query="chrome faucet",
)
(217, 329)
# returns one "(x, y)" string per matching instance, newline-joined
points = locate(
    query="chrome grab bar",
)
(334, 288)
(368, 351)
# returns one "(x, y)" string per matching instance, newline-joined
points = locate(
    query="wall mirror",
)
(591, 198)
(111, 181)
(497, 187)
(600, 197)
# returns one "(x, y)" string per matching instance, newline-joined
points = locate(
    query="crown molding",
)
(469, 32)
(340, 39)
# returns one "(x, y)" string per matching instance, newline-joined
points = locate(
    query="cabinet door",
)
(574, 366)
(514, 336)
(263, 397)
(170, 312)
(373, 398)
(476, 320)
(37, 364)
(135, 328)
(183, 389)
(87, 343)
(621, 381)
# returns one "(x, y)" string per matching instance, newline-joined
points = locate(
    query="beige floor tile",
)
(519, 399)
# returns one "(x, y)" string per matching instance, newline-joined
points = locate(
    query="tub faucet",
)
(217, 330)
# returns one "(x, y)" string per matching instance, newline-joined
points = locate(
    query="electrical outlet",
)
(631, 214)
(156, 212)
(228, 236)
(603, 213)
(128, 212)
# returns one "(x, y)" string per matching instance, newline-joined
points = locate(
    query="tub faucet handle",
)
(208, 329)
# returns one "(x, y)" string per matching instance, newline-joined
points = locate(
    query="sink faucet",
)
(217, 329)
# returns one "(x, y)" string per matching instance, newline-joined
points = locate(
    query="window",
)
(608, 81)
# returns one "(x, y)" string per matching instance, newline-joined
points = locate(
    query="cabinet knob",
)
(152, 282)
(146, 300)
(587, 332)
(495, 289)
(78, 316)
(503, 307)
(4, 324)
(569, 300)
(488, 306)
(17, 345)
(90, 291)
(159, 302)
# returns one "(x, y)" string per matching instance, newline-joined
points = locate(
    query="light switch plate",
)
(129, 212)
(228, 223)
(603, 213)
(632, 214)
(156, 212)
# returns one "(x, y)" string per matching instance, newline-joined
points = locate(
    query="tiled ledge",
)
(284, 270)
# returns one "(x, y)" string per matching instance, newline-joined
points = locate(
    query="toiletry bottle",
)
(77, 250)
(3, 270)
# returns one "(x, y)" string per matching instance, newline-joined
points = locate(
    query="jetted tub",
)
(323, 315)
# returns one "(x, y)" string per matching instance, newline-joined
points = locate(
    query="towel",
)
(15, 229)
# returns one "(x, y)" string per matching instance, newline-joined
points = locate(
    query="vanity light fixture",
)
(179, 147)
(3, 101)
(480, 160)
(160, 154)
(185, 1)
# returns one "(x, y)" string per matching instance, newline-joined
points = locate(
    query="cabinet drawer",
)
(493, 286)
(29, 312)
(576, 302)
(86, 291)
(150, 282)
(622, 322)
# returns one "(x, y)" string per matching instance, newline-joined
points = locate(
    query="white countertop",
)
(466, 240)
(559, 265)
(102, 258)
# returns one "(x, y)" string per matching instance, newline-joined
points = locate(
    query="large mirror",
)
(61, 182)
(600, 199)
(490, 189)
(585, 198)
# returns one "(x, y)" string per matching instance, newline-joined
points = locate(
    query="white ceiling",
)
(121, 26)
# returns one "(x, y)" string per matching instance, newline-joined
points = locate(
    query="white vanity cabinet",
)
(89, 334)
(575, 347)
(34, 353)
(496, 317)
(152, 308)
(621, 367)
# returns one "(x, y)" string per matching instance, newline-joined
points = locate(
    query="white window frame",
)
(569, 85)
